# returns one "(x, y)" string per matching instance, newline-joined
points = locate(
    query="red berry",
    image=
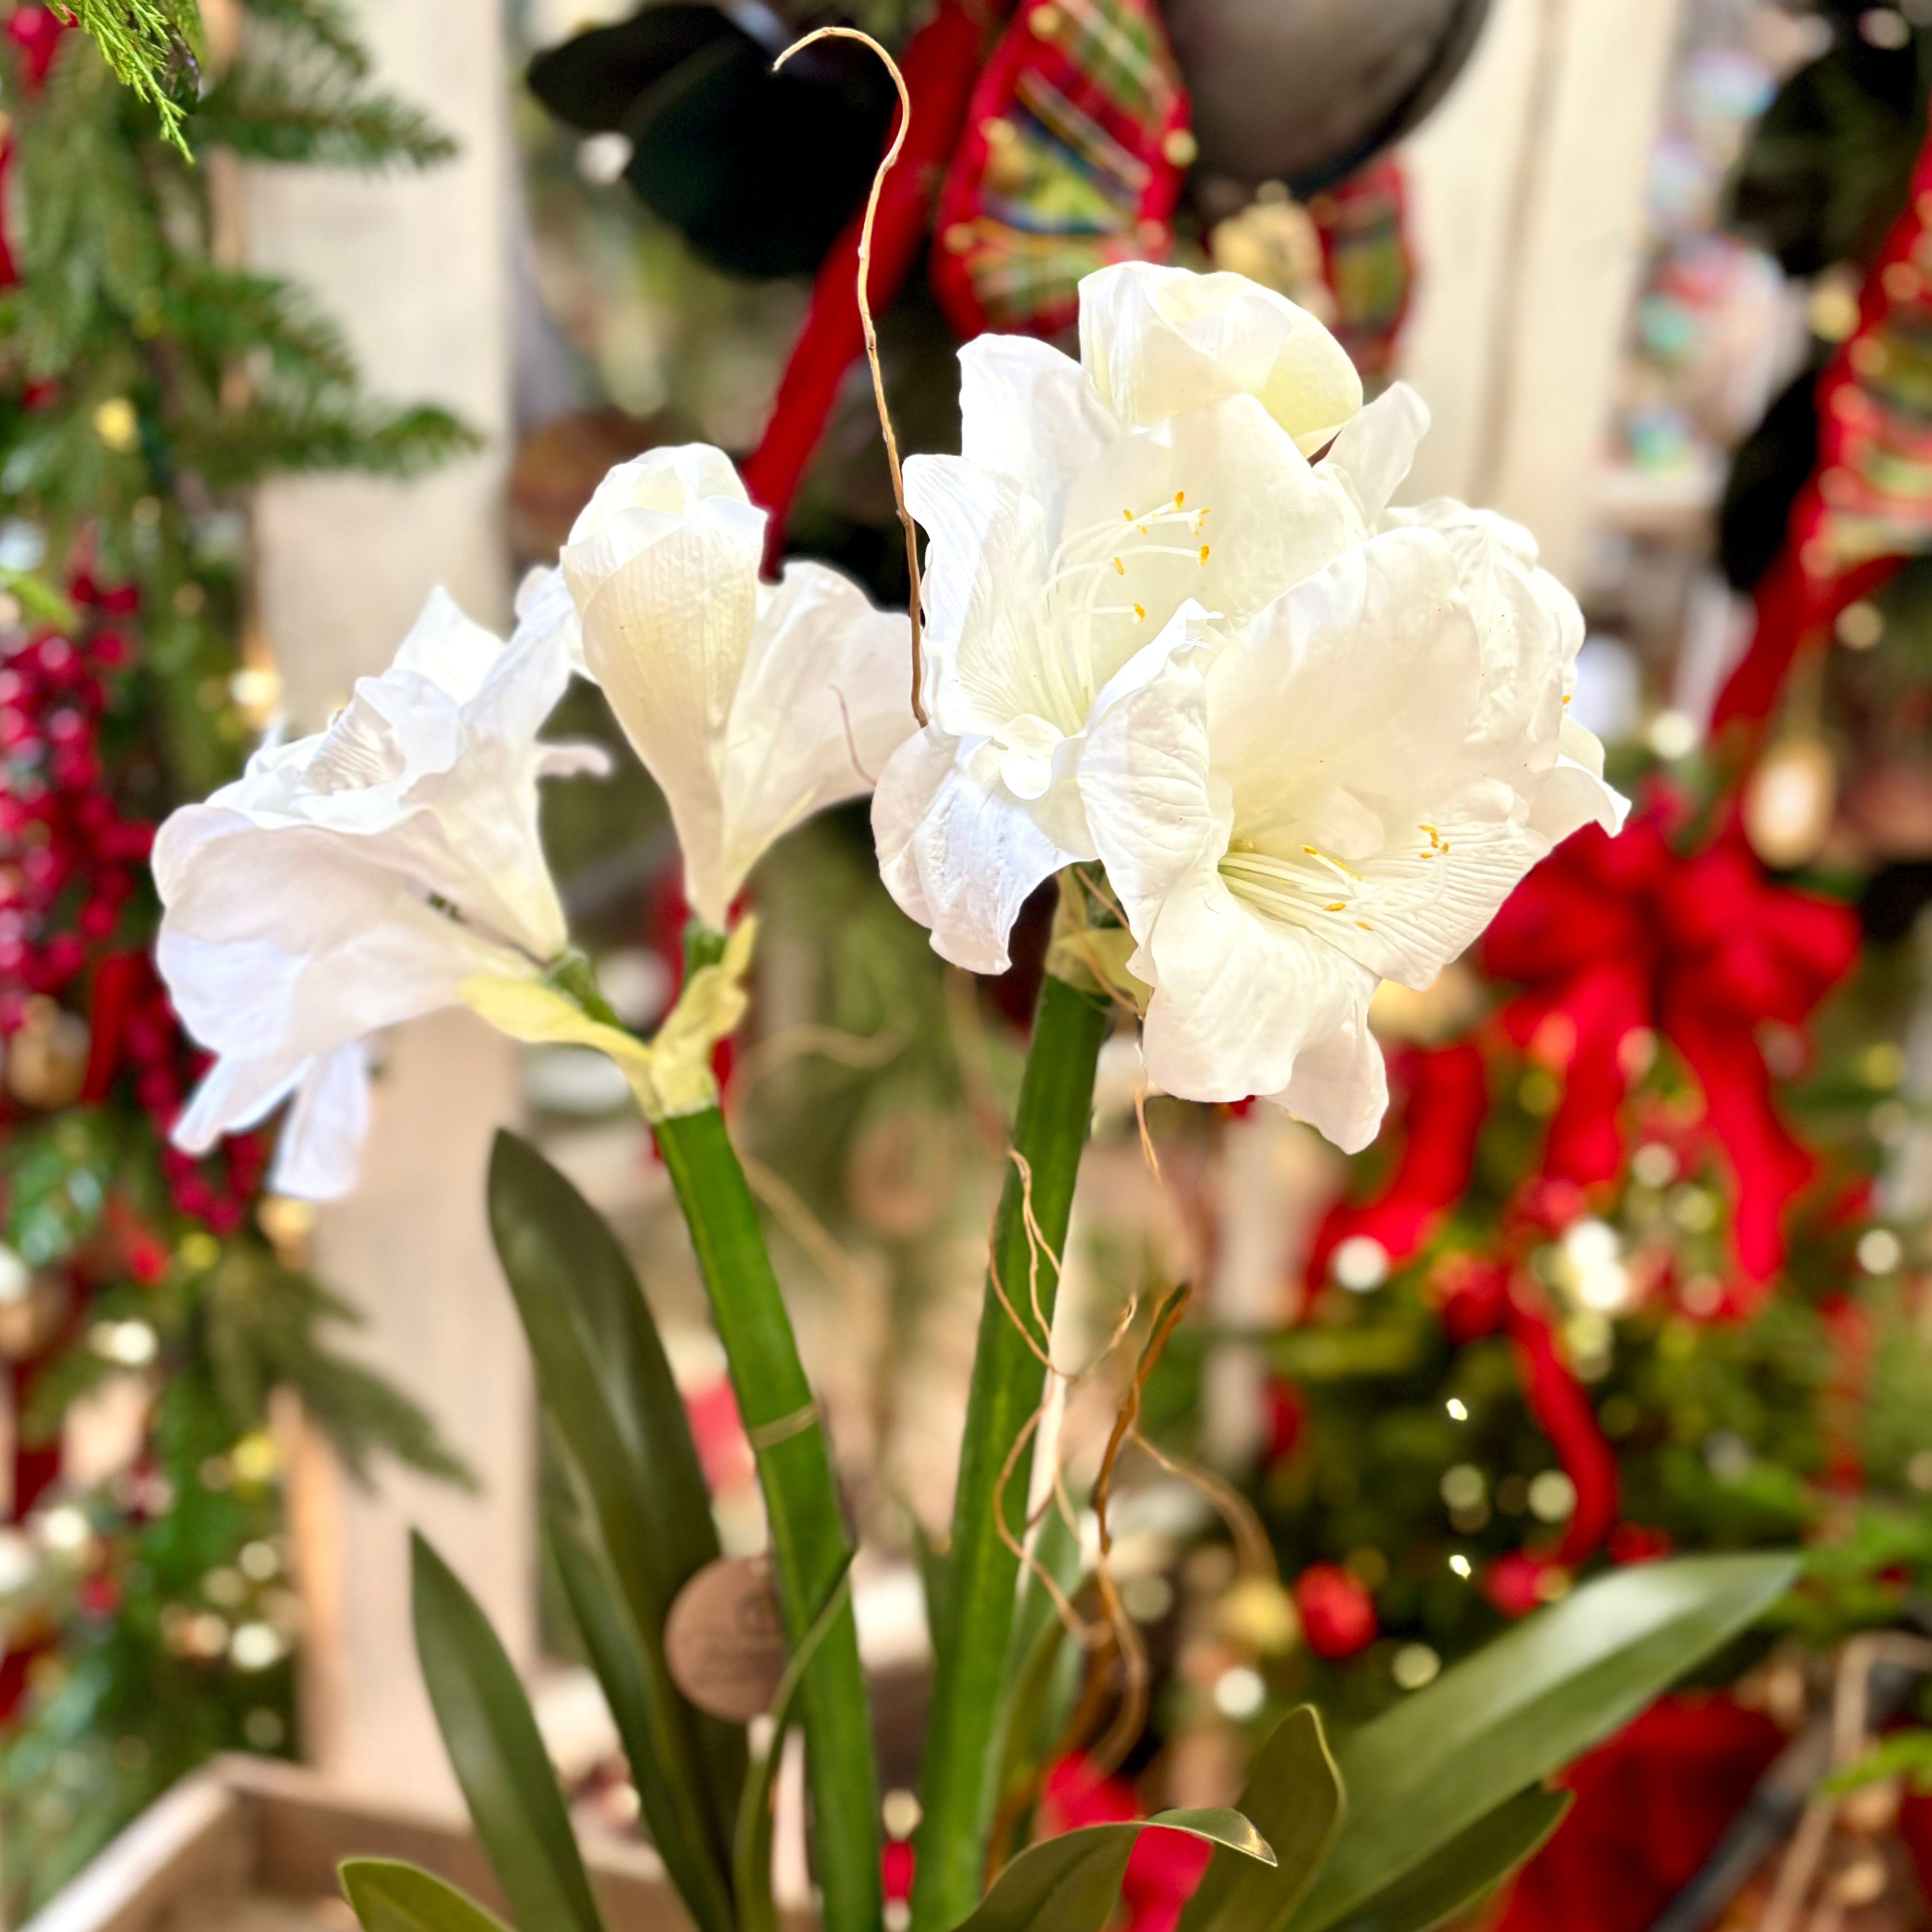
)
(1338, 1615)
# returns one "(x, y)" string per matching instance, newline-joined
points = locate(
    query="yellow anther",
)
(1203, 552)
(1316, 852)
(1179, 497)
(1566, 701)
(1127, 515)
(1340, 905)
(1365, 925)
(1121, 568)
(1140, 613)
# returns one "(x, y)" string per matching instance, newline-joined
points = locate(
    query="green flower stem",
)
(810, 1547)
(1056, 1105)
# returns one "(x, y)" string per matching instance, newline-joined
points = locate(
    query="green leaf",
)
(1424, 1773)
(614, 1410)
(498, 1757)
(1466, 1870)
(1072, 1883)
(1294, 1795)
(752, 1860)
(388, 1896)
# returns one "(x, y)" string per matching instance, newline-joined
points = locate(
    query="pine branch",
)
(227, 314)
(154, 47)
(325, 24)
(272, 113)
(282, 437)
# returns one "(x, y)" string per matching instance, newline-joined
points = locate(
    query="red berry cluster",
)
(70, 863)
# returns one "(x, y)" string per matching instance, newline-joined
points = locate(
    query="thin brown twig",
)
(1254, 1551)
(871, 338)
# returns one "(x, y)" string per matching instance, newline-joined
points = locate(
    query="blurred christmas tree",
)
(154, 1317)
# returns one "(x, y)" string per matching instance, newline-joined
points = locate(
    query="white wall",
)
(415, 266)
(1528, 209)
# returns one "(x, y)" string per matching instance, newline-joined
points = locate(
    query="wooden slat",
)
(195, 1844)
(253, 1827)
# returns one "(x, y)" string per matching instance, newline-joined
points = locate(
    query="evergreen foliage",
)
(146, 381)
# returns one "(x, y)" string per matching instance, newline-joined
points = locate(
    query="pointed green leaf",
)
(619, 1654)
(496, 1753)
(388, 1896)
(1427, 1771)
(615, 1412)
(751, 1863)
(1294, 1795)
(1072, 1883)
(1466, 1870)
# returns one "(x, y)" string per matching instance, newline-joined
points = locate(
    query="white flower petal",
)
(986, 564)
(957, 852)
(319, 1151)
(1253, 519)
(825, 701)
(1238, 1003)
(1144, 776)
(1157, 341)
(1362, 678)
(1376, 449)
(666, 634)
(1028, 412)
(1340, 1084)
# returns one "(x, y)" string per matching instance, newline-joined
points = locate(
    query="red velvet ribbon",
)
(940, 64)
(1481, 1297)
(1448, 1095)
(1613, 937)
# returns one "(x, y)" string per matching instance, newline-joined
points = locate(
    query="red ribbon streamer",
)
(941, 62)
(1448, 1095)
(1613, 937)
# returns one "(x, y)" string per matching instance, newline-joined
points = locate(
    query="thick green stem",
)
(1056, 1104)
(810, 1546)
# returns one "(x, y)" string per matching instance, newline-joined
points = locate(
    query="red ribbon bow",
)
(1448, 1097)
(1617, 939)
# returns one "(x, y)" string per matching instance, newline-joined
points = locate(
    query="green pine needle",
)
(282, 113)
(325, 25)
(154, 48)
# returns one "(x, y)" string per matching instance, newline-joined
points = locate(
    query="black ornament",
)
(1304, 90)
(760, 170)
(1772, 465)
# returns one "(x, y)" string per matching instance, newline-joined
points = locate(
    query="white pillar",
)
(1528, 198)
(415, 268)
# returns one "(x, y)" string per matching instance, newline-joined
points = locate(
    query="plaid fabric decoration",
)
(1076, 141)
(1362, 222)
(1871, 494)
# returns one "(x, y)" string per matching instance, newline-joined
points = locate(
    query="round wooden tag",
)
(724, 1639)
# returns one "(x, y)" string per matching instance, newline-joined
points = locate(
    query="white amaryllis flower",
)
(360, 877)
(1093, 501)
(753, 706)
(1341, 790)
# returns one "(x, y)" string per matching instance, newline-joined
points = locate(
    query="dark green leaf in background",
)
(496, 1753)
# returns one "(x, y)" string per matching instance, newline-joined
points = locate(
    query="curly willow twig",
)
(872, 338)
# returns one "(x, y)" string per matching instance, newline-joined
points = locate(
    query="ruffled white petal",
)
(957, 851)
(1028, 412)
(1238, 1003)
(1376, 449)
(1157, 341)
